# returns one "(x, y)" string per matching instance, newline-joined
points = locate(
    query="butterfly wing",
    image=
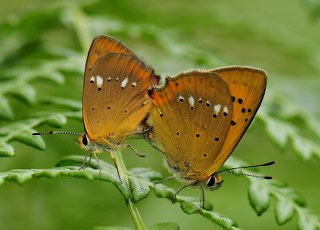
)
(190, 119)
(247, 87)
(115, 99)
(103, 45)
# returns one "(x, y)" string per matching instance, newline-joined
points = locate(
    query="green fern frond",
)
(277, 116)
(21, 131)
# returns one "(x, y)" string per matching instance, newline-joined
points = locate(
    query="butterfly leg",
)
(128, 145)
(128, 134)
(124, 138)
(201, 197)
(163, 180)
(149, 141)
(115, 165)
(98, 162)
(86, 162)
(174, 197)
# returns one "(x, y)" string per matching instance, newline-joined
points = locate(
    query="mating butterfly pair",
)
(195, 118)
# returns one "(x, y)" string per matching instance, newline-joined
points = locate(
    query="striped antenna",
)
(227, 171)
(58, 132)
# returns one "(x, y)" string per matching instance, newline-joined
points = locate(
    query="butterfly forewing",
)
(115, 99)
(101, 46)
(190, 119)
(247, 87)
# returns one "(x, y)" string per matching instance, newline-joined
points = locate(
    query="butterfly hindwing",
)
(247, 86)
(115, 98)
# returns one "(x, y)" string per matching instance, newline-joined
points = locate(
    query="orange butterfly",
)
(115, 95)
(199, 117)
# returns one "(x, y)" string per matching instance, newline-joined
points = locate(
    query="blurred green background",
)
(281, 37)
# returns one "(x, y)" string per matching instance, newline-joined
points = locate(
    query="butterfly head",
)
(214, 181)
(83, 140)
(89, 145)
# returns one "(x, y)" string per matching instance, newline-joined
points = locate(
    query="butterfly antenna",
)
(58, 132)
(228, 171)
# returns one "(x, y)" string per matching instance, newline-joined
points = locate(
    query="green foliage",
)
(32, 61)
(21, 131)
(139, 178)
(288, 203)
(278, 116)
(166, 226)
(313, 7)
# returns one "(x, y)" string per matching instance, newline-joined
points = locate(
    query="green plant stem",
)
(123, 173)
(135, 215)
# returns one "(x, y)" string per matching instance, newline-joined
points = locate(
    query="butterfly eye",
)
(211, 181)
(214, 182)
(85, 140)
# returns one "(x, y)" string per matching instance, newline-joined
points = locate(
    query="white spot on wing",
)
(217, 108)
(99, 81)
(124, 82)
(181, 98)
(134, 84)
(160, 112)
(225, 109)
(109, 79)
(191, 101)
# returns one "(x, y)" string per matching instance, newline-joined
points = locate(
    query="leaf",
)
(305, 148)
(140, 188)
(34, 141)
(279, 190)
(108, 173)
(284, 210)
(68, 103)
(278, 131)
(165, 226)
(278, 117)
(259, 196)
(57, 120)
(6, 150)
(26, 93)
(162, 191)
(5, 109)
(191, 205)
(106, 169)
(21, 131)
(220, 219)
(308, 220)
(146, 173)
(288, 203)
(53, 76)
